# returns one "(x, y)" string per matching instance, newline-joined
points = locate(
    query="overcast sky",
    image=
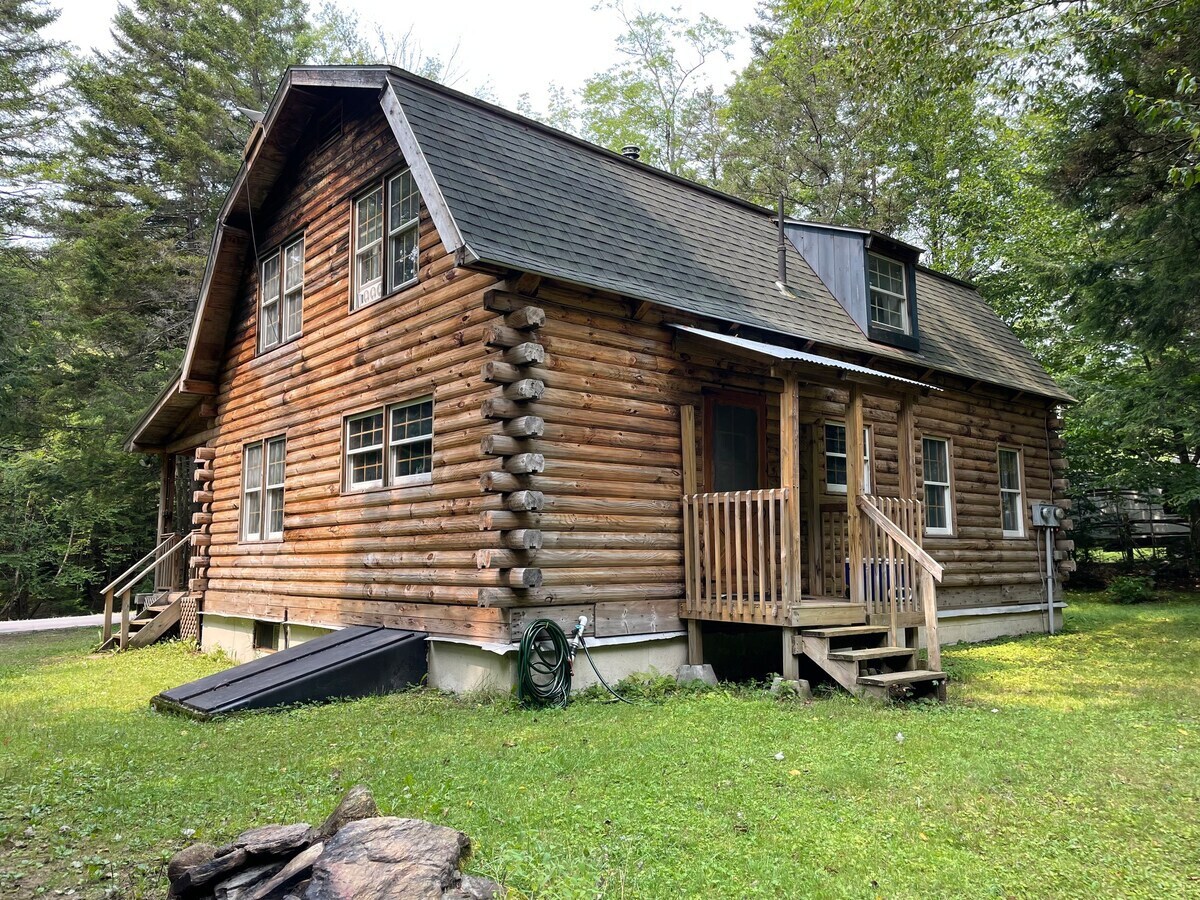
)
(516, 47)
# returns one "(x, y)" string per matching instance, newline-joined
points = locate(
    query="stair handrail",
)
(876, 515)
(149, 567)
(930, 572)
(153, 553)
(129, 583)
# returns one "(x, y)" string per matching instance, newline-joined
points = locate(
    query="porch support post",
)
(854, 489)
(905, 436)
(687, 434)
(166, 491)
(789, 477)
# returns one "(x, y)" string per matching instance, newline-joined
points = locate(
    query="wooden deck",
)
(809, 612)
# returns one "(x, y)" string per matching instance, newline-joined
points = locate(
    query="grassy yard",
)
(1062, 767)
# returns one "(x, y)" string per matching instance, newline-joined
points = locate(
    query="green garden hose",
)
(543, 666)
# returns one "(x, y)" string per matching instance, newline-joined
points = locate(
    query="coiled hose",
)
(544, 666)
(544, 672)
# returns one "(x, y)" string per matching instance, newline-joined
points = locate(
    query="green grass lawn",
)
(1062, 767)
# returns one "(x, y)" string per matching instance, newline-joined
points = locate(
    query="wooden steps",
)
(151, 624)
(865, 662)
(869, 653)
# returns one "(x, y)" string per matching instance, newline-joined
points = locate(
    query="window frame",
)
(263, 535)
(276, 631)
(905, 298)
(383, 185)
(389, 479)
(947, 487)
(1019, 490)
(868, 458)
(282, 292)
(906, 257)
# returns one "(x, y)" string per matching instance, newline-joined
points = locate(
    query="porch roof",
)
(774, 351)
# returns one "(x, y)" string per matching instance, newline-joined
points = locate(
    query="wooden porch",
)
(748, 561)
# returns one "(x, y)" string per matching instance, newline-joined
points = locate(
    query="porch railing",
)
(164, 558)
(898, 576)
(738, 554)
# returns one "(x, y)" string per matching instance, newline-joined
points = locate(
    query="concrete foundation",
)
(464, 668)
(235, 636)
(988, 623)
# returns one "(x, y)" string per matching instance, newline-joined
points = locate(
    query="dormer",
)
(873, 277)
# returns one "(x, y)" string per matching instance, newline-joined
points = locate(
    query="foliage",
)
(1129, 589)
(1052, 752)
(656, 99)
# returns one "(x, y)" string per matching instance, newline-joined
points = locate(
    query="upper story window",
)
(1012, 504)
(835, 458)
(935, 454)
(385, 230)
(390, 445)
(262, 490)
(887, 280)
(281, 295)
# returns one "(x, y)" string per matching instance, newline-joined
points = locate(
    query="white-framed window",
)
(262, 489)
(939, 516)
(385, 230)
(1012, 504)
(835, 458)
(888, 282)
(390, 445)
(281, 296)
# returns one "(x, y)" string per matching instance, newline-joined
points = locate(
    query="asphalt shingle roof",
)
(527, 197)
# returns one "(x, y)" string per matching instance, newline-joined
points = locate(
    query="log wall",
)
(401, 556)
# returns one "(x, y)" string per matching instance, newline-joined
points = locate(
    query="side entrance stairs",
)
(864, 661)
(152, 623)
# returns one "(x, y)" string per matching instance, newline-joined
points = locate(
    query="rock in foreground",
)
(355, 855)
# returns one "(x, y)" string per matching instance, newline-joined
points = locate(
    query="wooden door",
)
(735, 441)
(735, 460)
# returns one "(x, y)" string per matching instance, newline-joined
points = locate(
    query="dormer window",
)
(888, 284)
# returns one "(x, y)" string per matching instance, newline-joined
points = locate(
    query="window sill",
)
(409, 481)
(260, 542)
(398, 289)
(1013, 535)
(939, 534)
(264, 352)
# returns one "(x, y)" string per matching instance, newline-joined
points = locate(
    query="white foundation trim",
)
(996, 610)
(616, 640)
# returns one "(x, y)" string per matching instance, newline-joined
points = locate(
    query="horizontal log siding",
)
(610, 480)
(403, 556)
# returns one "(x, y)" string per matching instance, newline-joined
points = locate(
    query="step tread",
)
(870, 653)
(888, 679)
(845, 631)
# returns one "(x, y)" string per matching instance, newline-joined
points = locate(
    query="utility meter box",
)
(1046, 515)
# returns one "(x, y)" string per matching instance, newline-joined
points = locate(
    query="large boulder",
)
(388, 858)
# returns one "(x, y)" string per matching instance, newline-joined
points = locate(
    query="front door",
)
(735, 449)
(735, 456)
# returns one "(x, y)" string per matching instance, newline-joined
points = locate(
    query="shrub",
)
(1132, 589)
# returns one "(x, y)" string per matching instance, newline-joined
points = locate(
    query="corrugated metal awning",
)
(787, 353)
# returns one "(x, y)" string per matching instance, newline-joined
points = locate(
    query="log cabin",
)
(453, 371)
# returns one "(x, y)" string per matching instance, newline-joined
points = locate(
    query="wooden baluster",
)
(762, 556)
(891, 594)
(739, 547)
(785, 551)
(774, 550)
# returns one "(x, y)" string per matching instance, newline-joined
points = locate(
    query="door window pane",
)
(735, 448)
